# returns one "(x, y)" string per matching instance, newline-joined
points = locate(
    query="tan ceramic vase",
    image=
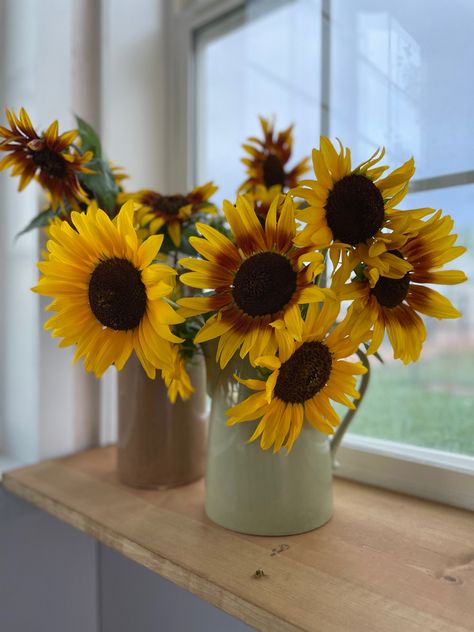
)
(160, 444)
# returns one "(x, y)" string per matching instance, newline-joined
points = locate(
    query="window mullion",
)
(442, 181)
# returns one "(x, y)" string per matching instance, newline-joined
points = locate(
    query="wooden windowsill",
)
(385, 562)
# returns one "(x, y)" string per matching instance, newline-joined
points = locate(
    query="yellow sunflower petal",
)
(149, 249)
(212, 329)
(432, 303)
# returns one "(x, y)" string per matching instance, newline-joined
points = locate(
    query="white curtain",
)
(104, 60)
(47, 407)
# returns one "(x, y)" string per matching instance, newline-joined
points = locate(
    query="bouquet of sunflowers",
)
(111, 260)
(266, 300)
(268, 277)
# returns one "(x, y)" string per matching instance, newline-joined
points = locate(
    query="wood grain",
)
(385, 562)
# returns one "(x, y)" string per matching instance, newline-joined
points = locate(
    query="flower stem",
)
(340, 432)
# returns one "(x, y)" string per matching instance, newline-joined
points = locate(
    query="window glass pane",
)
(430, 403)
(256, 62)
(393, 83)
(399, 78)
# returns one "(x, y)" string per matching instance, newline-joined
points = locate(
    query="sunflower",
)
(51, 159)
(171, 210)
(108, 296)
(176, 377)
(351, 211)
(260, 279)
(303, 380)
(268, 157)
(261, 198)
(392, 305)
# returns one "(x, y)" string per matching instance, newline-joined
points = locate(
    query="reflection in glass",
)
(394, 83)
(256, 63)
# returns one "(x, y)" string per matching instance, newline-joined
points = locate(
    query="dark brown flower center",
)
(50, 162)
(264, 284)
(117, 295)
(305, 373)
(273, 172)
(354, 209)
(391, 292)
(171, 204)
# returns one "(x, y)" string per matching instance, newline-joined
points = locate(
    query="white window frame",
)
(422, 472)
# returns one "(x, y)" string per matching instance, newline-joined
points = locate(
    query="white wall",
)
(53, 578)
(19, 394)
(47, 407)
(133, 90)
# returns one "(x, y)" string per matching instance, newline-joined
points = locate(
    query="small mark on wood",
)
(280, 549)
(458, 570)
(452, 579)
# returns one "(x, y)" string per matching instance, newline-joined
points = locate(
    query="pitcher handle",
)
(340, 432)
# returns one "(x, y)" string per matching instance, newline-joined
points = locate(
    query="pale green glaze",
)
(255, 491)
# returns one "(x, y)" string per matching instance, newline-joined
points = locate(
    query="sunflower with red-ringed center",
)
(50, 158)
(303, 380)
(267, 164)
(108, 295)
(352, 211)
(256, 281)
(394, 305)
(170, 212)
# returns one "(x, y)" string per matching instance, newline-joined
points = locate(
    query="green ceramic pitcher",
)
(255, 491)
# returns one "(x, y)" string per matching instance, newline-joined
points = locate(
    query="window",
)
(372, 73)
(251, 63)
(392, 83)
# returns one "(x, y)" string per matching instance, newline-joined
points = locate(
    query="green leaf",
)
(89, 138)
(379, 357)
(188, 331)
(40, 221)
(359, 272)
(102, 184)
